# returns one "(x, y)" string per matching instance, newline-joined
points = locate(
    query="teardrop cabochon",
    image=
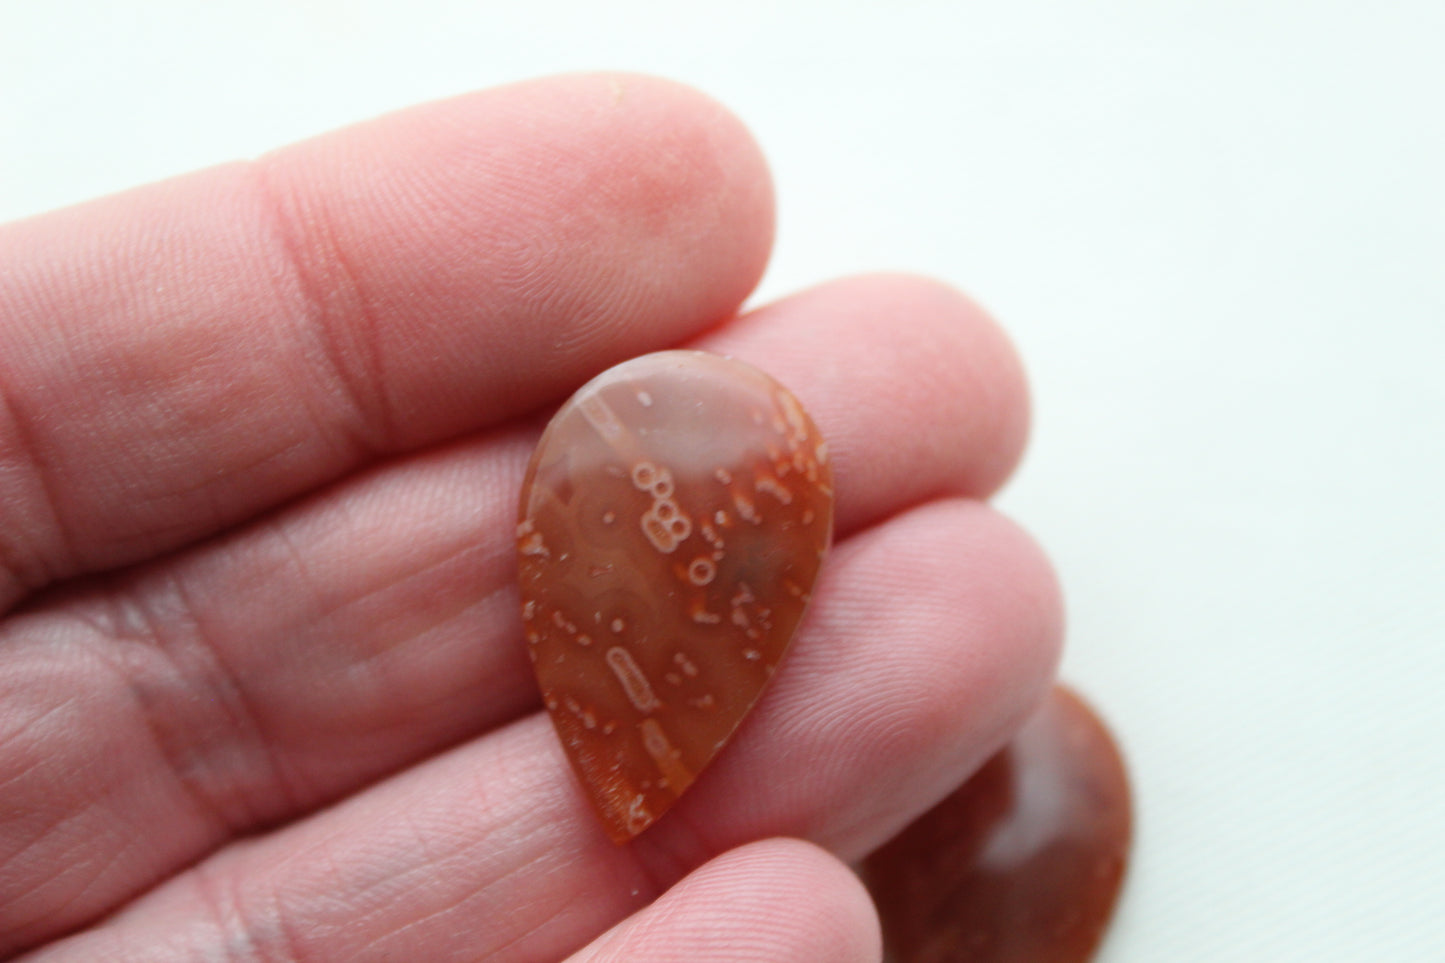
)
(673, 520)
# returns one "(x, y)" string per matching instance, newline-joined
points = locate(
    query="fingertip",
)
(1004, 409)
(673, 161)
(978, 682)
(772, 901)
(847, 918)
(985, 359)
(638, 209)
(1025, 608)
(718, 163)
(930, 640)
(490, 252)
(917, 388)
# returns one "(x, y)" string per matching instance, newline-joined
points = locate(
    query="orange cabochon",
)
(1023, 864)
(673, 520)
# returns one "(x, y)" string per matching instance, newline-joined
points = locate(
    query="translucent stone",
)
(1022, 864)
(673, 520)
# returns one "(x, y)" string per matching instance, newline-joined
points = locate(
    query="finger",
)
(934, 635)
(268, 672)
(776, 901)
(918, 391)
(177, 358)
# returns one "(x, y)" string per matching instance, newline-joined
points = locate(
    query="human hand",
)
(263, 694)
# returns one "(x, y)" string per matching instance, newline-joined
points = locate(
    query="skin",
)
(263, 695)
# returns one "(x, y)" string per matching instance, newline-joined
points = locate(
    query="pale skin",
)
(263, 693)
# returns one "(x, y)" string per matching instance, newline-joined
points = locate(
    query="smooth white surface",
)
(1217, 232)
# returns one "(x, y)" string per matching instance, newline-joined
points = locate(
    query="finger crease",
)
(244, 936)
(202, 755)
(29, 570)
(336, 316)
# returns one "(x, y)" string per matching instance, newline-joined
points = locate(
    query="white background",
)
(1217, 231)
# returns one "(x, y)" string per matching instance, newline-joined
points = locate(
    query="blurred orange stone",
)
(673, 519)
(1024, 862)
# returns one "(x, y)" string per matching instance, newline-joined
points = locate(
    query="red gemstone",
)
(673, 520)
(1024, 862)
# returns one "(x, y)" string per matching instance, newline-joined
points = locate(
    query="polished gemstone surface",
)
(1024, 862)
(673, 520)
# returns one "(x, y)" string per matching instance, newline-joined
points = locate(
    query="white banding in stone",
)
(634, 683)
(601, 417)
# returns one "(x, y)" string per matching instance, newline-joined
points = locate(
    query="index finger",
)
(178, 358)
